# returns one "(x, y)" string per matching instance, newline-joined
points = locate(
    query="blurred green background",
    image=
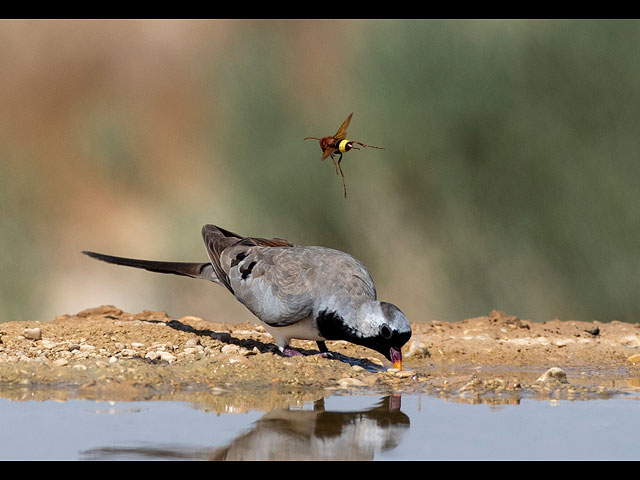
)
(510, 178)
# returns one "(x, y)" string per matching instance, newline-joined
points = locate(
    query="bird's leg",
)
(289, 351)
(324, 351)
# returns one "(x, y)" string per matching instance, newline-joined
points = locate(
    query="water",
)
(411, 427)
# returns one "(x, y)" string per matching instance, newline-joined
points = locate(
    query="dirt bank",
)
(107, 354)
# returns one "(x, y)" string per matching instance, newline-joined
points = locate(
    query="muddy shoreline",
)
(104, 353)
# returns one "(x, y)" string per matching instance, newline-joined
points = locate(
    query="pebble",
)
(375, 360)
(61, 362)
(113, 359)
(554, 374)
(351, 382)
(32, 333)
(634, 358)
(191, 343)
(167, 357)
(80, 367)
(417, 348)
(404, 374)
(137, 345)
(237, 359)
(48, 343)
(152, 355)
(253, 351)
(230, 349)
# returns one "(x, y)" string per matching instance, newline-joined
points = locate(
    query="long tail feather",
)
(187, 269)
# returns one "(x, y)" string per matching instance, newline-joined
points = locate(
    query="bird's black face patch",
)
(246, 270)
(332, 327)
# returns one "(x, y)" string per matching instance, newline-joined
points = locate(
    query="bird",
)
(296, 292)
(291, 434)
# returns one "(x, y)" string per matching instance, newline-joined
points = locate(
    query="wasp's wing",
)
(328, 152)
(341, 134)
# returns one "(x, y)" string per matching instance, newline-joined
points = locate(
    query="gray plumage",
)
(304, 292)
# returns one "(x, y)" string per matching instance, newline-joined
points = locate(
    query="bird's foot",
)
(288, 351)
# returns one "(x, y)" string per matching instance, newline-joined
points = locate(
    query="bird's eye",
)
(385, 331)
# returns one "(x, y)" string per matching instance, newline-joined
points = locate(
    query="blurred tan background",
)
(510, 177)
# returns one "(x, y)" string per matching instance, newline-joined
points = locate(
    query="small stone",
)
(230, 349)
(137, 345)
(80, 367)
(87, 348)
(128, 352)
(237, 359)
(404, 374)
(191, 343)
(32, 333)
(48, 343)
(634, 358)
(113, 359)
(369, 379)
(167, 357)
(351, 382)
(152, 355)
(375, 360)
(61, 362)
(554, 374)
(357, 368)
(418, 349)
(190, 350)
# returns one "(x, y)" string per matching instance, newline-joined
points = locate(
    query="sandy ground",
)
(107, 354)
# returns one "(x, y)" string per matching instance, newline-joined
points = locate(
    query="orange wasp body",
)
(338, 144)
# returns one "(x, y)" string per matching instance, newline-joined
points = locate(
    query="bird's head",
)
(380, 326)
(393, 332)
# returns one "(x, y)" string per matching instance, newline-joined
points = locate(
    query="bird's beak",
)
(396, 357)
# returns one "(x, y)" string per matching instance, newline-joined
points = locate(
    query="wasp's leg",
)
(342, 174)
(334, 162)
(368, 146)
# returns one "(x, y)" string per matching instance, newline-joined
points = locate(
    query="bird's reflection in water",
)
(288, 434)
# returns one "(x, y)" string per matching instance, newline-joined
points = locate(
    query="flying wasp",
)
(337, 145)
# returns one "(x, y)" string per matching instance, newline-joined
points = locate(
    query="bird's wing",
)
(282, 286)
(217, 240)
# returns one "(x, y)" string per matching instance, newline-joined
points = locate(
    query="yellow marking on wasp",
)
(342, 146)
